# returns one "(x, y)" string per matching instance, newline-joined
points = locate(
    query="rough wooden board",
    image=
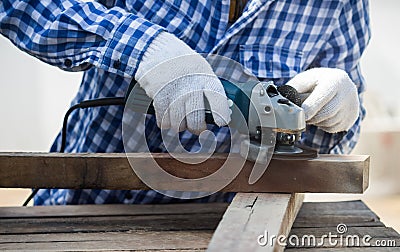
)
(351, 242)
(377, 232)
(250, 215)
(332, 207)
(141, 230)
(107, 224)
(333, 221)
(133, 241)
(169, 227)
(324, 217)
(111, 210)
(327, 173)
(330, 214)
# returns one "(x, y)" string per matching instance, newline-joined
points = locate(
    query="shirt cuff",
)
(124, 50)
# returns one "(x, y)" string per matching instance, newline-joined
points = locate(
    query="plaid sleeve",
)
(343, 50)
(73, 35)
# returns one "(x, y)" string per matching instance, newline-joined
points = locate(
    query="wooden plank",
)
(325, 174)
(169, 227)
(324, 217)
(330, 214)
(251, 215)
(109, 224)
(376, 232)
(333, 207)
(115, 241)
(333, 221)
(111, 210)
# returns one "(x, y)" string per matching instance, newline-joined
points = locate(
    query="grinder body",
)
(258, 109)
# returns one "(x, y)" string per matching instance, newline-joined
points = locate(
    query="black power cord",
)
(117, 101)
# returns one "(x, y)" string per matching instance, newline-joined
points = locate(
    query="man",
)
(314, 44)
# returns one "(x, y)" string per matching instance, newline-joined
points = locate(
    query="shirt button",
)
(128, 196)
(68, 63)
(117, 64)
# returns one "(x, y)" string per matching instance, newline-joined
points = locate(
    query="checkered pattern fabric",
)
(274, 39)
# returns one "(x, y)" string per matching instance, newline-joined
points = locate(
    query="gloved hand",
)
(179, 80)
(333, 103)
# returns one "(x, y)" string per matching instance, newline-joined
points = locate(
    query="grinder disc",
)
(297, 152)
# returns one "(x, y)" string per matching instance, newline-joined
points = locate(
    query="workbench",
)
(172, 227)
(257, 219)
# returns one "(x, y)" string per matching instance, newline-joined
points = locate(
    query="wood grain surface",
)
(325, 174)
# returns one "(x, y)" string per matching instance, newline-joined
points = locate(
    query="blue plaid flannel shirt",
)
(274, 39)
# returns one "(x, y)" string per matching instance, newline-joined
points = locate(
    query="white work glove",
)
(179, 80)
(333, 103)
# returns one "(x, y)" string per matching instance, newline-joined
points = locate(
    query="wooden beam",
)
(252, 220)
(325, 174)
(145, 241)
(107, 210)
